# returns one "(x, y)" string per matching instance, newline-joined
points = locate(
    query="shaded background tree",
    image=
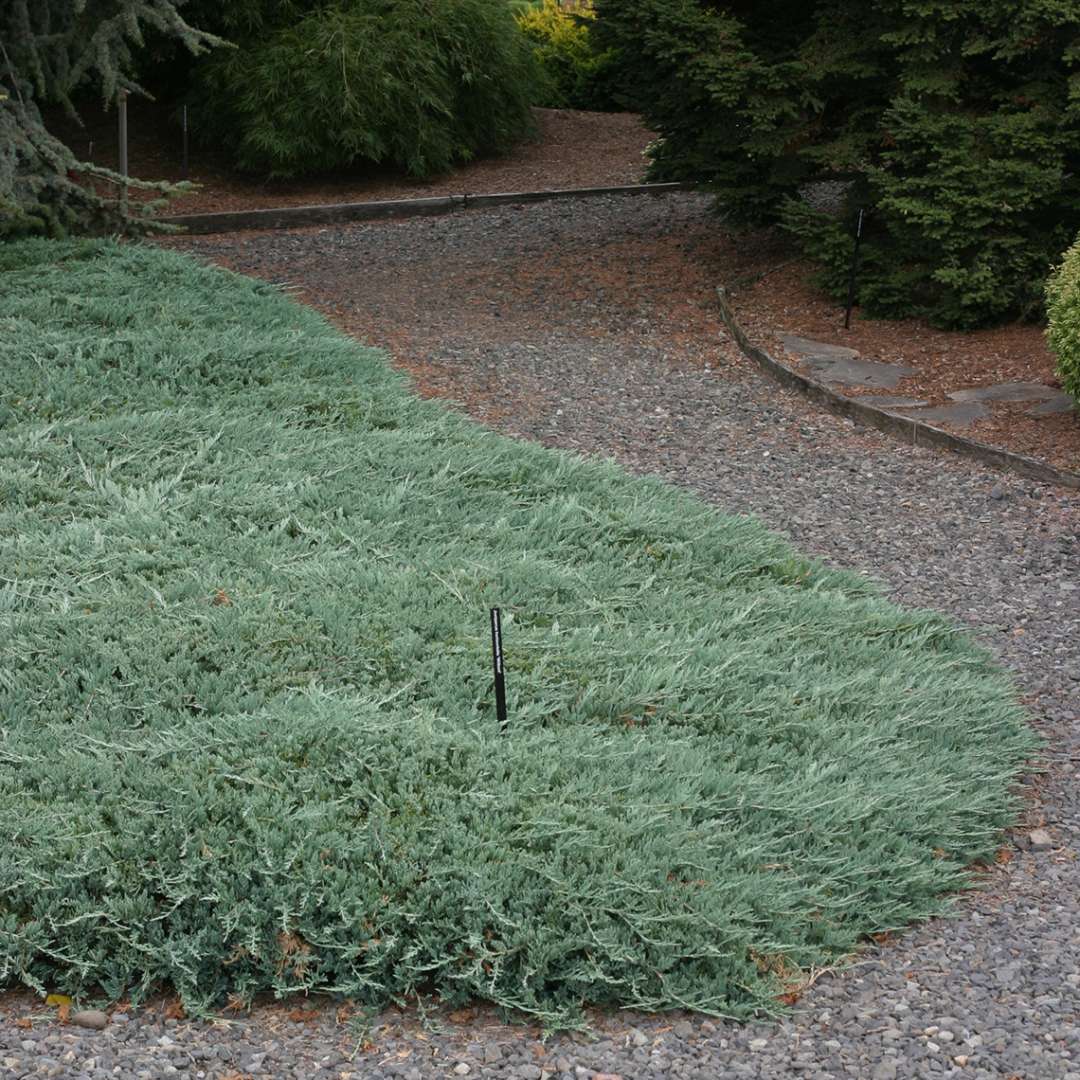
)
(49, 49)
(956, 123)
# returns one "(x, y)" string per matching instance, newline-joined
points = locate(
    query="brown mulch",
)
(572, 149)
(786, 300)
(583, 149)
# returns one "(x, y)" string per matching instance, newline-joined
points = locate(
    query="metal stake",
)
(122, 110)
(497, 658)
(184, 128)
(854, 270)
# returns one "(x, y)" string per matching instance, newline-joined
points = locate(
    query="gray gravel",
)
(993, 991)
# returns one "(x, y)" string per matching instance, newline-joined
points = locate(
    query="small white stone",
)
(961, 1060)
(946, 1036)
(932, 1030)
(461, 1068)
(757, 1045)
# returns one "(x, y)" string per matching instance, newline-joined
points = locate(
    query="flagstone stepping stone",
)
(1059, 403)
(892, 401)
(838, 364)
(807, 348)
(1012, 391)
(961, 414)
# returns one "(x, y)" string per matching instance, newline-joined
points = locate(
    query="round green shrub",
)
(1063, 309)
(421, 85)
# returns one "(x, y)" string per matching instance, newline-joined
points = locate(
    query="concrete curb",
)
(293, 217)
(913, 432)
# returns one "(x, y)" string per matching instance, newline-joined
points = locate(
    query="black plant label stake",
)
(184, 144)
(854, 272)
(497, 659)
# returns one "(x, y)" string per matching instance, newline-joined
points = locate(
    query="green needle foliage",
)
(247, 738)
(48, 50)
(956, 123)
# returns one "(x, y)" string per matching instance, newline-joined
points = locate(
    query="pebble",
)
(91, 1018)
(1040, 840)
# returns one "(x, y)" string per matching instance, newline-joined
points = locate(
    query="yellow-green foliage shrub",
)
(572, 69)
(1063, 309)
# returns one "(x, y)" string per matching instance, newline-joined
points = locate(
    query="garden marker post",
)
(854, 270)
(122, 113)
(184, 144)
(497, 659)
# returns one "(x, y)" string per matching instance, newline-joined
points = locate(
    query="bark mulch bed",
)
(583, 149)
(571, 149)
(786, 301)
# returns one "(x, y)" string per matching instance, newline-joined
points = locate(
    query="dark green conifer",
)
(956, 122)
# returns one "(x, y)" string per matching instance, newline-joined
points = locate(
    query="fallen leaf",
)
(175, 1010)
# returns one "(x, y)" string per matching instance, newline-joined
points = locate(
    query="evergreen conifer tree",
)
(956, 123)
(48, 50)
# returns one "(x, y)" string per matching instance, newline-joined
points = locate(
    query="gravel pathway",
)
(589, 326)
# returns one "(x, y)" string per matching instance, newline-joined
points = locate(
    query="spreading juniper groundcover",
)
(247, 736)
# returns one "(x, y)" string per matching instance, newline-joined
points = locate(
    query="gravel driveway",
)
(589, 326)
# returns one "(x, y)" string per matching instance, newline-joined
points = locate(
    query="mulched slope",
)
(943, 361)
(571, 149)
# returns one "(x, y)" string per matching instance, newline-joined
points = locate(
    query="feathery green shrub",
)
(1063, 311)
(419, 84)
(247, 738)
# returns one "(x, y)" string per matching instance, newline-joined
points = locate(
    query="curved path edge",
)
(292, 217)
(914, 432)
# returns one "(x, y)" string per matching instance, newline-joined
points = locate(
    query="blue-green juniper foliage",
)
(247, 736)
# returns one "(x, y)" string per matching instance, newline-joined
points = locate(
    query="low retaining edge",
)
(913, 432)
(292, 217)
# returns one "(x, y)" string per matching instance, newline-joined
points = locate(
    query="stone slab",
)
(1012, 391)
(960, 414)
(808, 349)
(839, 364)
(851, 372)
(1059, 403)
(894, 401)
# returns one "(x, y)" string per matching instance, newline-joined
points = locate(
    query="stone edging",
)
(292, 217)
(914, 432)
